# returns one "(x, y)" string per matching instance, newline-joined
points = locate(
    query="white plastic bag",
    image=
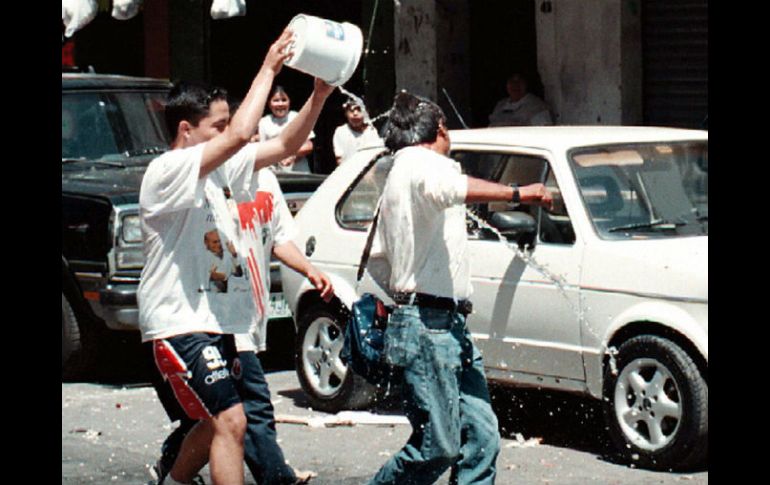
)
(222, 9)
(125, 9)
(76, 14)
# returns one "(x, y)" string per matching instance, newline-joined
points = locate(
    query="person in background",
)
(357, 131)
(272, 124)
(420, 257)
(521, 107)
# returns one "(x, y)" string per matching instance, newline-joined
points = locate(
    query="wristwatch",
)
(516, 198)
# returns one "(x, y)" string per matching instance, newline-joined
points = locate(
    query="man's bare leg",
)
(226, 454)
(194, 452)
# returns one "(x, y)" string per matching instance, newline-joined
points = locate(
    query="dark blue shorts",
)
(202, 369)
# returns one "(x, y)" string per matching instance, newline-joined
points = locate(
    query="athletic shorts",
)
(202, 369)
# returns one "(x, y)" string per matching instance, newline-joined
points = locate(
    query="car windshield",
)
(645, 190)
(99, 125)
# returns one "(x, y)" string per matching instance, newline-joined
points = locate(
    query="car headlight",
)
(131, 229)
(127, 252)
(129, 258)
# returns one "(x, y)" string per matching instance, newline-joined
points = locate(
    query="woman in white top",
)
(271, 125)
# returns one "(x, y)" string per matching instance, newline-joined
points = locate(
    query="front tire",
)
(326, 380)
(656, 405)
(78, 344)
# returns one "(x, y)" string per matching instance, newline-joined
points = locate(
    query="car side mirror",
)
(517, 226)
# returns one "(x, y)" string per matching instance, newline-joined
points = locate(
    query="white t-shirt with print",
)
(177, 210)
(424, 190)
(347, 141)
(270, 127)
(274, 225)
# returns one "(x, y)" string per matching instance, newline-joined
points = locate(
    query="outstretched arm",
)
(480, 190)
(289, 254)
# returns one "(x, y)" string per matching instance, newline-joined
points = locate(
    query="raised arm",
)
(243, 123)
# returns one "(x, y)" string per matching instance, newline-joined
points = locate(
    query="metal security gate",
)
(675, 62)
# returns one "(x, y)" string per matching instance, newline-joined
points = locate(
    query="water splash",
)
(361, 103)
(529, 259)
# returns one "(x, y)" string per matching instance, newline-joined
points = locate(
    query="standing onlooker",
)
(355, 133)
(521, 107)
(272, 124)
(420, 256)
(187, 192)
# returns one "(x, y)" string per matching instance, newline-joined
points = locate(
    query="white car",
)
(605, 296)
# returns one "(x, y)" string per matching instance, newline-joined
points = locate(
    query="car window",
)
(99, 124)
(356, 209)
(554, 226)
(645, 190)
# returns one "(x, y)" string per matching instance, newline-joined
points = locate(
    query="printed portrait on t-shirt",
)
(223, 261)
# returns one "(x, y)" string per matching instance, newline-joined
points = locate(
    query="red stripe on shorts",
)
(174, 370)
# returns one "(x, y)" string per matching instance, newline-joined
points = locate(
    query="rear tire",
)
(328, 383)
(656, 405)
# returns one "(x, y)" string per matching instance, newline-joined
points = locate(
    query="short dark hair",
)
(188, 101)
(412, 120)
(277, 88)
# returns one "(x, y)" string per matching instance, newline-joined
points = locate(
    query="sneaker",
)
(158, 474)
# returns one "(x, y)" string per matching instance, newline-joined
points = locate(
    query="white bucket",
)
(325, 49)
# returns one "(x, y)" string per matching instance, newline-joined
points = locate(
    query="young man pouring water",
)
(197, 187)
(420, 256)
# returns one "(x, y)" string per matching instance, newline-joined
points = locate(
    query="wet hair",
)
(412, 120)
(190, 102)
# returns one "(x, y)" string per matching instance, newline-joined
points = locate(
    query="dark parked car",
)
(112, 127)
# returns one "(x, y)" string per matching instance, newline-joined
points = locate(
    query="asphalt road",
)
(112, 431)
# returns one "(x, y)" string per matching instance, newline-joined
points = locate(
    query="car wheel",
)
(656, 405)
(326, 380)
(78, 346)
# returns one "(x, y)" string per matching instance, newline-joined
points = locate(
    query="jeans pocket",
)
(402, 338)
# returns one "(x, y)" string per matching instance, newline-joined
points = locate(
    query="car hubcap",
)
(321, 356)
(648, 404)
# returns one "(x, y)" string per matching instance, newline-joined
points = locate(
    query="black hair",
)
(190, 102)
(278, 89)
(412, 120)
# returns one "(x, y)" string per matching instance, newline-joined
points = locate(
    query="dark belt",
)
(464, 307)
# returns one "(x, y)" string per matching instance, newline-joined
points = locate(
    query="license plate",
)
(279, 308)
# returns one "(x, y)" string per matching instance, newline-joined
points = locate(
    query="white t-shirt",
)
(274, 225)
(347, 141)
(421, 230)
(528, 111)
(270, 127)
(178, 210)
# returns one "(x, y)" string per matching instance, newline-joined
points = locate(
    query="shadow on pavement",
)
(559, 419)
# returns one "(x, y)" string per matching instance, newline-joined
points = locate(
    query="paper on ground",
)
(343, 418)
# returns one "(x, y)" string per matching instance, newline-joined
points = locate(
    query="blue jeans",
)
(445, 399)
(262, 454)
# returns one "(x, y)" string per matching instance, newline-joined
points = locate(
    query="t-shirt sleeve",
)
(337, 142)
(284, 229)
(171, 182)
(444, 186)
